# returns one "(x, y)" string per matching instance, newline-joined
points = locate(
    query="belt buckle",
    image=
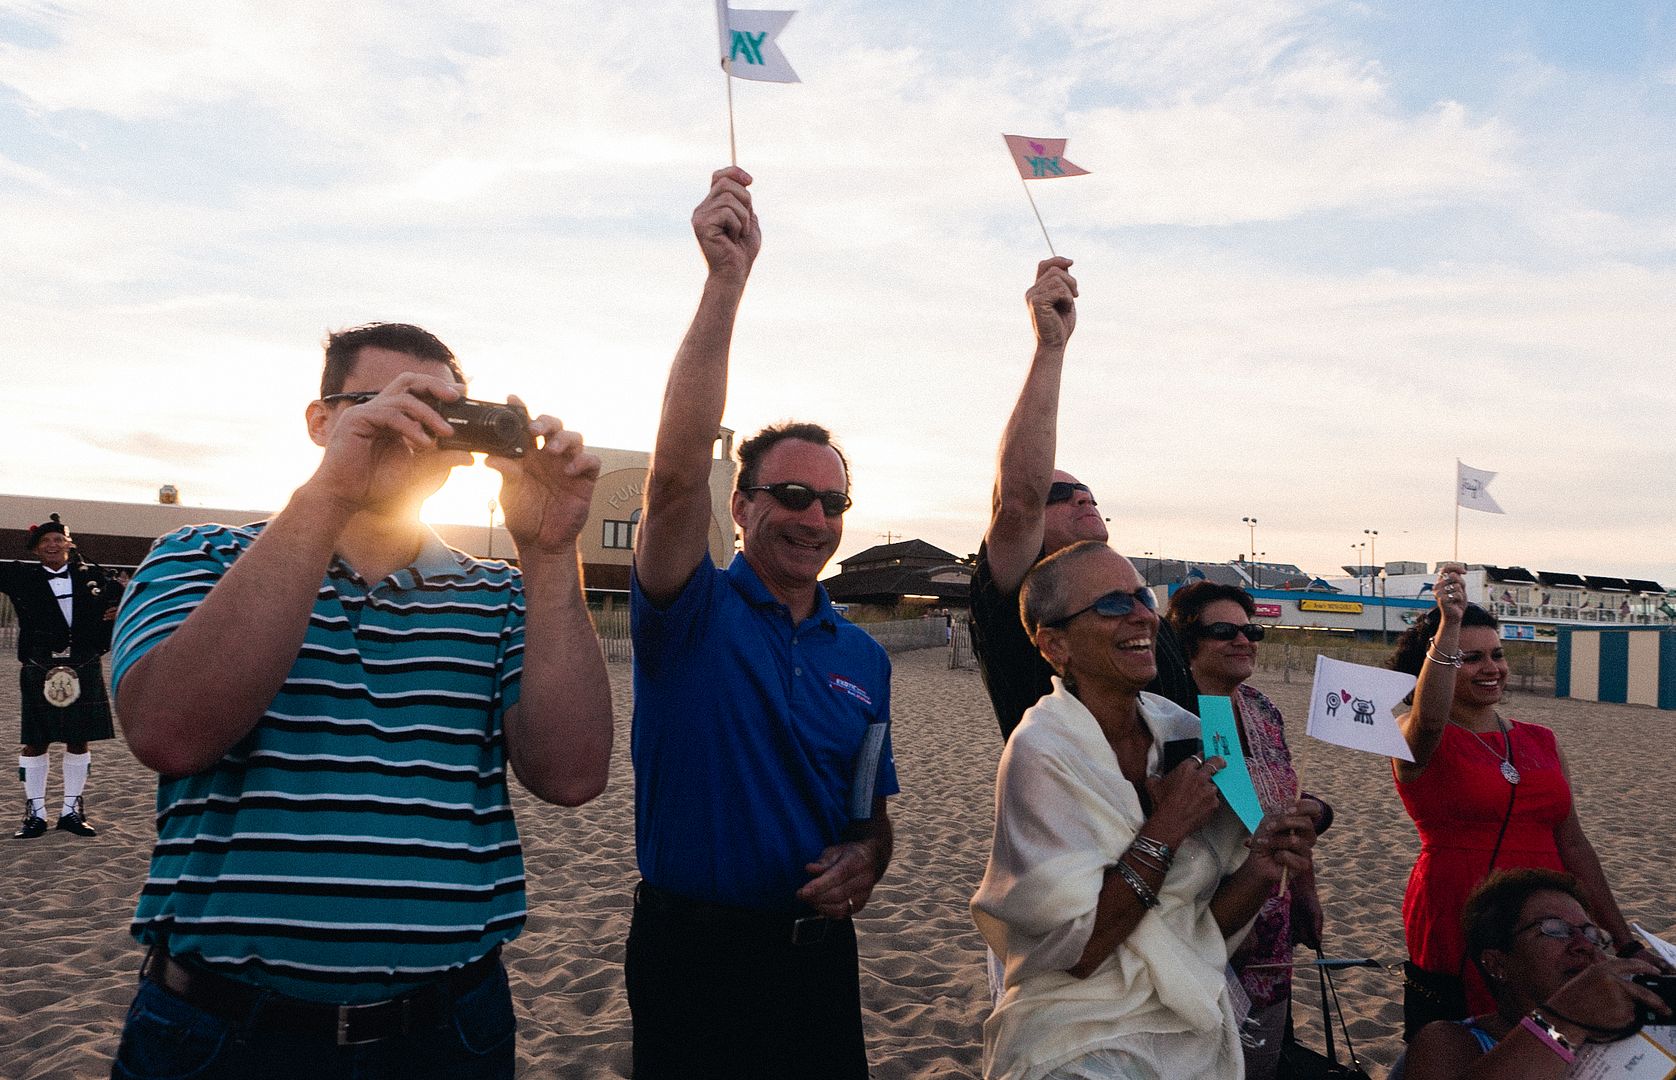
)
(346, 1012)
(809, 930)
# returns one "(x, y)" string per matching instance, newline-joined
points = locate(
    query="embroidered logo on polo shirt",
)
(838, 682)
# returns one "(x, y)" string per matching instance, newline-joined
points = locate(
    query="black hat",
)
(37, 532)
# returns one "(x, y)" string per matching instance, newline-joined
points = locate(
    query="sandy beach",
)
(69, 965)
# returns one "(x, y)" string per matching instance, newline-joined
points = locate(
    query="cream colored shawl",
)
(1063, 814)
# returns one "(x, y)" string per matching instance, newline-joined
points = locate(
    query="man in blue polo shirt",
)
(761, 751)
(332, 698)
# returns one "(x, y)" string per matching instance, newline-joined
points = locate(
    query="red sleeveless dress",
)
(1458, 805)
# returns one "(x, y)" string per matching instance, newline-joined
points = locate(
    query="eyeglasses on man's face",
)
(795, 496)
(1113, 605)
(1063, 491)
(354, 397)
(1560, 930)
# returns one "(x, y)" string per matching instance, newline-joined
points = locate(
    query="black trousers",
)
(719, 992)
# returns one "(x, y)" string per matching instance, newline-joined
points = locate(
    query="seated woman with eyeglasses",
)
(1554, 980)
(1213, 623)
(1485, 792)
(1118, 881)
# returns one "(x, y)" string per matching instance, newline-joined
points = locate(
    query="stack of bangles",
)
(1151, 855)
(1451, 660)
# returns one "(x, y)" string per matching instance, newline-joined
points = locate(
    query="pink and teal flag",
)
(1041, 159)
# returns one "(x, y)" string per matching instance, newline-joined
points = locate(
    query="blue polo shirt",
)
(747, 730)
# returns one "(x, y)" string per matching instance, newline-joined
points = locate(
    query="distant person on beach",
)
(64, 611)
(1037, 510)
(1554, 980)
(1118, 883)
(1485, 792)
(332, 698)
(761, 750)
(1213, 623)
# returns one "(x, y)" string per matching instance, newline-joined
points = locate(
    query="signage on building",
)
(1518, 632)
(1337, 607)
(1266, 611)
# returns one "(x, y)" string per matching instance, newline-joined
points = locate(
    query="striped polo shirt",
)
(359, 841)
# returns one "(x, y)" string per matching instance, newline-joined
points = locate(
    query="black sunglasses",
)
(354, 397)
(1061, 491)
(802, 496)
(1113, 605)
(1227, 631)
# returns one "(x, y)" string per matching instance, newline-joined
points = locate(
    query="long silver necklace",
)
(1505, 756)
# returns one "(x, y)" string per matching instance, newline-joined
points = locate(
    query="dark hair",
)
(755, 448)
(1041, 597)
(1410, 652)
(344, 346)
(1187, 604)
(1492, 909)
(39, 532)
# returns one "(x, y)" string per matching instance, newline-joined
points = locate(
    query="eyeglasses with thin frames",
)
(354, 397)
(1560, 930)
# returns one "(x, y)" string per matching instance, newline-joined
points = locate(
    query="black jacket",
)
(40, 622)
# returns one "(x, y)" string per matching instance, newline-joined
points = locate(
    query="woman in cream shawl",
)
(1114, 894)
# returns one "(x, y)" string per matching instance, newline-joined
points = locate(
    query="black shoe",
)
(33, 825)
(73, 822)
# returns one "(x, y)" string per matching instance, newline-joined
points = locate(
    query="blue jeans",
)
(166, 1038)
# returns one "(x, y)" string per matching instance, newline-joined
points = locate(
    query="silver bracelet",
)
(1452, 660)
(1143, 892)
(1157, 849)
(1147, 861)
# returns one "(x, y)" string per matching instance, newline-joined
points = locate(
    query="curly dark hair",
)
(1187, 604)
(755, 448)
(1410, 652)
(1492, 909)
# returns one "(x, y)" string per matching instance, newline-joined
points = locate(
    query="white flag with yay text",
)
(1472, 489)
(750, 49)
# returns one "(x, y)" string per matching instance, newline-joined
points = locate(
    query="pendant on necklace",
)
(1509, 773)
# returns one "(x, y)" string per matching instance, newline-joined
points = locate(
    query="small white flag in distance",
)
(1472, 489)
(1355, 706)
(750, 48)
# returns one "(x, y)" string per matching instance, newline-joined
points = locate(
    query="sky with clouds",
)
(1325, 250)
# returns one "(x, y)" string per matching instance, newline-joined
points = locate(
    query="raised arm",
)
(181, 713)
(674, 531)
(1423, 725)
(558, 735)
(1025, 467)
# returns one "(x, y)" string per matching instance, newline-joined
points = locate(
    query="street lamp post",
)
(1378, 582)
(1251, 524)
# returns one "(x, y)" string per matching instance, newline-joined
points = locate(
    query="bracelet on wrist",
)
(1146, 845)
(1446, 659)
(1143, 892)
(1539, 1025)
(1146, 862)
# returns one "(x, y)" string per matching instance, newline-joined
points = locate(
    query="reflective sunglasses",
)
(1227, 631)
(1560, 930)
(1113, 605)
(802, 496)
(354, 397)
(1061, 491)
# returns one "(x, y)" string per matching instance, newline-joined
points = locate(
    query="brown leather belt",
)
(417, 1010)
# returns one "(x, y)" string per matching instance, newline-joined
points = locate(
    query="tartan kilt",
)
(87, 719)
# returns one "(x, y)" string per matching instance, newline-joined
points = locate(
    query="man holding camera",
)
(761, 754)
(332, 698)
(64, 611)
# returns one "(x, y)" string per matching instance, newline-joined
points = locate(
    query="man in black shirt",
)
(1038, 510)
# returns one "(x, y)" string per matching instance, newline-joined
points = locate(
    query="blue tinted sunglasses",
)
(1113, 605)
(1061, 491)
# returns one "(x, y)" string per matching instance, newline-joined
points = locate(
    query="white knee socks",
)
(33, 770)
(75, 779)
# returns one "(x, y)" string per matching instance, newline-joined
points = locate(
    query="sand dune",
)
(69, 965)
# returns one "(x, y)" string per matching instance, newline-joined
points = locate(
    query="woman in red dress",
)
(1484, 791)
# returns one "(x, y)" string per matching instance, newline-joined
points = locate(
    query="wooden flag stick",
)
(1038, 214)
(732, 147)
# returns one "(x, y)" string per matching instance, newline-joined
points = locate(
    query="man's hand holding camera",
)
(547, 492)
(375, 447)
